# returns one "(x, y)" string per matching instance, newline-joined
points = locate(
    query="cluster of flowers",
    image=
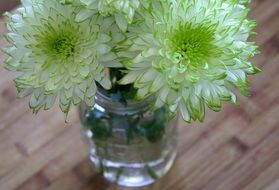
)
(188, 54)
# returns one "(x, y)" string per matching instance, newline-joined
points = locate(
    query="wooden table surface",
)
(236, 149)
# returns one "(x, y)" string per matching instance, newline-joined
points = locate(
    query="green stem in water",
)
(151, 172)
(119, 173)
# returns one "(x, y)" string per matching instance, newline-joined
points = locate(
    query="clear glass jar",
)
(131, 144)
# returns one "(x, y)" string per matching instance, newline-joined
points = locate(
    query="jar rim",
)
(132, 106)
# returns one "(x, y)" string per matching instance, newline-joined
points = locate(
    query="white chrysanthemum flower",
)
(55, 56)
(122, 10)
(190, 53)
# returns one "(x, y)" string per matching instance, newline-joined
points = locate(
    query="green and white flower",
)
(190, 53)
(56, 56)
(122, 10)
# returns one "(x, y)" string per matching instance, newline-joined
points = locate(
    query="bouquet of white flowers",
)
(188, 54)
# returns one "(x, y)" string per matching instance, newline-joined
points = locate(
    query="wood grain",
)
(236, 149)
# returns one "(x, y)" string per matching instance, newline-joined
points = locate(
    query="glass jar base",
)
(134, 174)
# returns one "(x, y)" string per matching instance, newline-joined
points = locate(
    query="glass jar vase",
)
(129, 143)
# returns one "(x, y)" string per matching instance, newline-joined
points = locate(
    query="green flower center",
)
(193, 44)
(63, 46)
